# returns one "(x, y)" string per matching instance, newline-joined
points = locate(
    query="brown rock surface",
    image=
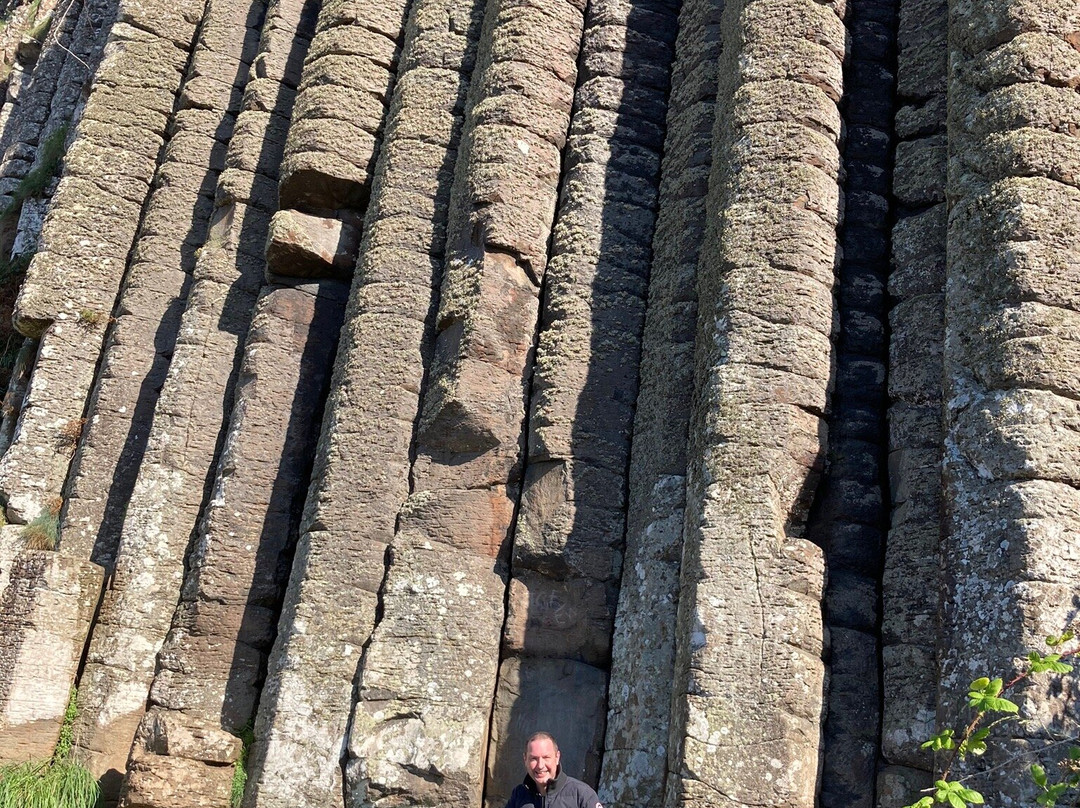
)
(468, 442)
(749, 640)
(361, 474)
(169, 491)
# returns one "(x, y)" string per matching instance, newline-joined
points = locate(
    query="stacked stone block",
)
(191, 413)
(568, 534)
(447, 574)
(69, 294)
(911, 578)
(850, 516)
(361, 475)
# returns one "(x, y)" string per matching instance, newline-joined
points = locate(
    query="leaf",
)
(1038, 774)
(956, 801)
(1050, 662)
(979, 684)
(971, 795)
(1074, 753)
(925, 802)
(940, 741)
(999, 705)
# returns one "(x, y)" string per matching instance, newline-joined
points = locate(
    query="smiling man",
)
(546, 785)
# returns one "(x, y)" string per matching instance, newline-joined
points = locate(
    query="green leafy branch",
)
(986, 698)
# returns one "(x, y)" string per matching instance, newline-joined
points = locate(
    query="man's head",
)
(542, 759)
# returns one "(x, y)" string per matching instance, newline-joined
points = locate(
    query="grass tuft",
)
(240, 775)
(66, 742)
(40, 28)
(42, 533)
(60, 782)
(45, 784)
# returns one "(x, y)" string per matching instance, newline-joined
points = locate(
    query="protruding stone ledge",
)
(303, 246)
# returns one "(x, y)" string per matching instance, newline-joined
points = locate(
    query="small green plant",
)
(240, 775)
(66, 742)
(47, 784)
(990, 707)
(38, 178)
(59, 782)
(40, 29)
(88, 318)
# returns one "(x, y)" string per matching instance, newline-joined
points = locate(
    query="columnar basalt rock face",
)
(568, 535)
(169, 491)
(749, 674)
(643, 644)
(849, 516)
(447, 571)
(683, 377)
(1011, 458)
(911, 575)
(361, 475)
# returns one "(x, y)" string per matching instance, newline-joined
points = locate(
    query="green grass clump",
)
(40, 28)
(59, 782)
(240, 775)
(47, 784)
(42, 533)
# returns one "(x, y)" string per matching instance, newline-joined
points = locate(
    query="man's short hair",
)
(541, 736)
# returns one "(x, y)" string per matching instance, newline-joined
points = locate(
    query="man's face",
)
(542, 761)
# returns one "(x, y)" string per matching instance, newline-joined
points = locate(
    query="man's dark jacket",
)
(562, 792)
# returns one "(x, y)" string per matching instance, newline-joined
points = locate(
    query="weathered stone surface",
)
(472, 412)
(643, 651)
(46, 605)
(213, 659)
(751, 584)
(172, 482)
(917, 321)
(84, 246)
(341, 101)
(476, 456)
(1001, 518)
(571, 520)
(362, 467)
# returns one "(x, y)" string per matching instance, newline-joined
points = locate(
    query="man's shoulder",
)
(584, 793)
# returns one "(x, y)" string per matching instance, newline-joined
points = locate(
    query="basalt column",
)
(211, 665)
(72, 283)
(46, 601)
(66, 299)
(850, 517)
(191, 413)
(568, 534)
(911, 576)
(749, 673)
(643, 646)
(1012, 310)
(421, 725)
(361, 475)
